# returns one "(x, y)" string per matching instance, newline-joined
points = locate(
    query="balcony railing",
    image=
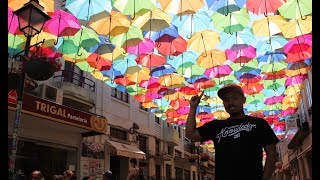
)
(75, 78)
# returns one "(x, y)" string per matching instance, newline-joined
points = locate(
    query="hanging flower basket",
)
(40, 68)
(205, 157)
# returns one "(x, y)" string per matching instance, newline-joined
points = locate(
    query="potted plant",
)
(205, 157)
(40, 68)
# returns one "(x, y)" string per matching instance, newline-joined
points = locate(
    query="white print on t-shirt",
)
(235, 130)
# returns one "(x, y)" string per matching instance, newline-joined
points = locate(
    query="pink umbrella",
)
(183, 110)
(241, 53)
(151, 83)
(151, 60)
(300, 40)
(273, 100)
(288, 111)
(296, 79)
(62, 24)
(13, 23)
(145, 46)
(218, 71)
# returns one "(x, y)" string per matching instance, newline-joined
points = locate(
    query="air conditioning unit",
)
(51, 93)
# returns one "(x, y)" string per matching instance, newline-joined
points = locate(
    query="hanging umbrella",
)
(275, 75)
(98, 75)
(225, 6)
(188, 56)
(98, 62)
(84, 66)
(145, 46)
(162, 70)
(16, 43)
(111, 24)
(270, 44)
(298, 68)
(46, 4)
(127, 65)
(268, 26)
(255, 98)
(189, 24)
(71, 51)
(252, 88)
(274, 84)
(84, 9)
(103, 47)
(167, 45)
(294, 9)
(273, 100)
(264, 6)
(242, 37)
(273, 67)
(218, 71)
(203, 41)
(171, 79)
(299, 48)
(181, 7)
(203, 83)
(294, 89)
(123, 80)
(49, 39)
(131, 38)
(13, 23)
(153, 20)
(62, 24)
(233, 22)
(188, 90)
(296, 79)
(270, 57)
(85, 38)
(151, 60)
(244, 67)
(171, 31)
(212, 58)
(139, 76)
(190, 69)
(297, 27)
(131, 7)
(241, 53)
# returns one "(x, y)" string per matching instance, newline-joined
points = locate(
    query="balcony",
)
(78, 91)
(171, 136)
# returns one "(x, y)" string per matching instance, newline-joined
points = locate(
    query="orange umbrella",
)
(212, 58)
(221, 115)
(171, 79)
(139, 76)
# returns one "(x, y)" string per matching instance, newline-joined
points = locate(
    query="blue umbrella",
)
(119, 87)
(124, 64)
(171, 31)
(270, 44)
(255, 107)
(241, 37)
(203, 109)
(162, 70)
(83, 9)
(190, 24)
(112, 73)
(272, 112)
(188, 56)
(103, 47)
(272, 57)
(225, 6)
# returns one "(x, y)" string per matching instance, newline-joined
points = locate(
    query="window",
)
(178, 173)
(118, 133)
(143, 143)
(123, 96)
(74, 74)
(309, 95)
(177, 153)
(158, 172)
(169, 150)
(157, 119)
(186, 174)
(179, 131)
(168, 171)
(157, 147)
(143, 108)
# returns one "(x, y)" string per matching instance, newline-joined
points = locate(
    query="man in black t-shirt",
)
(238, 140)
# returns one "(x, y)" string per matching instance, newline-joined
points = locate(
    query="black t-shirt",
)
(238, 146)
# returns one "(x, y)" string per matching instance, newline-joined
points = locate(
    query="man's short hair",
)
(229, 89)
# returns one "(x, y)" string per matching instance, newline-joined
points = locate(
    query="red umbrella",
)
(254, 79)
(218, 71)
(179, 103)
(203, 83)
(168, 45)
(252, 88)
(299, 48)
(151, 60)
(263, 6)
(189, 90)
(275, 75)
(98, 62)
(47, 51)
(123, 80)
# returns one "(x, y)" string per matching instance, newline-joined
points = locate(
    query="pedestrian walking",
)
(239, 141)
(107, 175)
(133, 170)
(69, 175)
(36, 175)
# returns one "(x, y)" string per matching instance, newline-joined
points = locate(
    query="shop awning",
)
(126, 150)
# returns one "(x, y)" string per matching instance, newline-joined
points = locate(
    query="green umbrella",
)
(189, 69)
(131, 7)
(294, 9)
(85, 37)
(274, 67)
(15, 44)
(84, 66)
(134, 90)
(255, 98)
(230, 79)
(274, 84)
(251, 64)
(71, 50)
(273, 107)
(233, 22)
(131, 38)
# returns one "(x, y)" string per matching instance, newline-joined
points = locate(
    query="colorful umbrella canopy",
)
(225, 6)
(264, 6)
(84, 9)
(293, 9)
(151, 60)
(297, 27)
(168, 45)
(153, 20)
(181, 7)
(130, 38)
(211, 58)
(268, 26)
(143, 47)
(203, 41)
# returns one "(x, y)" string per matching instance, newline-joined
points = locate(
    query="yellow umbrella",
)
(290, 105)
(295, 72)
(116, 54)
(268, 26)
(171, 79)
(221, 115)
(153, 20)
(149, 105)
(48, 5)
(203, 41)
(293, 89)
(211, 58)
(98, 75)
(139, 76)
(114, 24)
(181, 7)
(49, 39)
(291, 98)
(297, 27)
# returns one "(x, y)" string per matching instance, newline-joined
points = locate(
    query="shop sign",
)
(49, 110)
(291, 123)
(92, 160)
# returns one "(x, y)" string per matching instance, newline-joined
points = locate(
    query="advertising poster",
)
(92, 160)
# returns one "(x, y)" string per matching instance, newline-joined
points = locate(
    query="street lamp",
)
(31, 19)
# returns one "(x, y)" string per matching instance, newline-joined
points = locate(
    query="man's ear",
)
(244, 99)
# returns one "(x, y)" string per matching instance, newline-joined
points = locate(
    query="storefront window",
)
(168, 171)
(118, 133)
(178, 173)
(186, 174)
